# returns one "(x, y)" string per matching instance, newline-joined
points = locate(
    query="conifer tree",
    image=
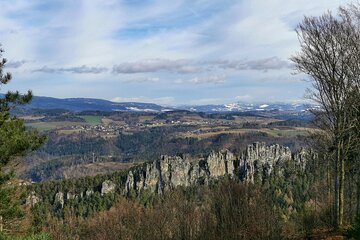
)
(15, 141)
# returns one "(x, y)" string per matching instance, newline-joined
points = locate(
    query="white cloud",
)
(80, 70)
(216, 79)
(179, 41)
(143, 80)
(262, 64)
(156, 65)
(15, 64)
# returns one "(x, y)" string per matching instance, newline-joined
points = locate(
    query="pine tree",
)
(15, 141)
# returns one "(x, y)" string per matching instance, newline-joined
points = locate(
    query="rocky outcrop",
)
(173, 171)
(254, 165)
(221, 163)
(59, 199)
(107, 187)
(32, 199)
(301, 157)
(259, 161)
(89, 192)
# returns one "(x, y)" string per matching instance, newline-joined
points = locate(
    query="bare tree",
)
(330, 56)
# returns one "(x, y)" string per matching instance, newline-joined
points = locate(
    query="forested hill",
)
(258, 164)
(90, 104)
(82, 104)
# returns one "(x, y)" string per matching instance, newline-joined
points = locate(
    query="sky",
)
(176, 52)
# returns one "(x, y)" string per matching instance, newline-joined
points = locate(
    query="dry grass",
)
(108, 121)
(33, 118)
(69, 131)
(45, 126)
(93, 169)
(146, 118)
(275, 132)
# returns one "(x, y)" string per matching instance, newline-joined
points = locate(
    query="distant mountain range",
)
(89, 104)
(251, 107)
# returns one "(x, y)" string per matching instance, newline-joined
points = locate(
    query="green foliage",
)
(40, 236)
(354, 231)
(92, 120)
(15, 141)
(82, 205)
(79, 145)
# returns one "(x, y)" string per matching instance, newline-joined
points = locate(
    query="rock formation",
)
(107, 187)
(59, 199)
(89, 192)
(254, 165)
(32, 199)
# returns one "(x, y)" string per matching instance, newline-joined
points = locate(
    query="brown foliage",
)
(228, 210)
(329, 55)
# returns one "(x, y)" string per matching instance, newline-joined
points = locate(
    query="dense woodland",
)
(289, 204)
(62, 152)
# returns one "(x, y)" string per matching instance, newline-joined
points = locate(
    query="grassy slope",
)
(92, 120)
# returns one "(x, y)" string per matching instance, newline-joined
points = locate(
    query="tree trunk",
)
(349, 211)
(329, 182)
(341, 195)
(336, 193)
(341, 185)
(357, 193)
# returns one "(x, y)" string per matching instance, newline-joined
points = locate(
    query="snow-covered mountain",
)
(250, 107)
(85, 104)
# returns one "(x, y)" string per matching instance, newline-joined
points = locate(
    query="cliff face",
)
(254, 165)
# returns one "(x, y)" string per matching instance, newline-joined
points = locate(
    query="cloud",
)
(244, 98)
(180, 66)
(143, 80)
(159, 100)
(135, 40)
(273, 63)
(263, 64)
(15, 64)
(186, 66)
(156, 65)
(216, 79)
(79, 70)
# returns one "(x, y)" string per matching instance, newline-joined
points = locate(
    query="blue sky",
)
(167, 52)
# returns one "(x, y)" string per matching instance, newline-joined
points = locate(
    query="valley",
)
(94, 142)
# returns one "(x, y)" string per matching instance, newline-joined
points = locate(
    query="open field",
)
(31, 118)
(204, 133)
(92, 120)
(46, 126)
(253, 119)
(145, 118)
(108, 121)
(69, 131)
